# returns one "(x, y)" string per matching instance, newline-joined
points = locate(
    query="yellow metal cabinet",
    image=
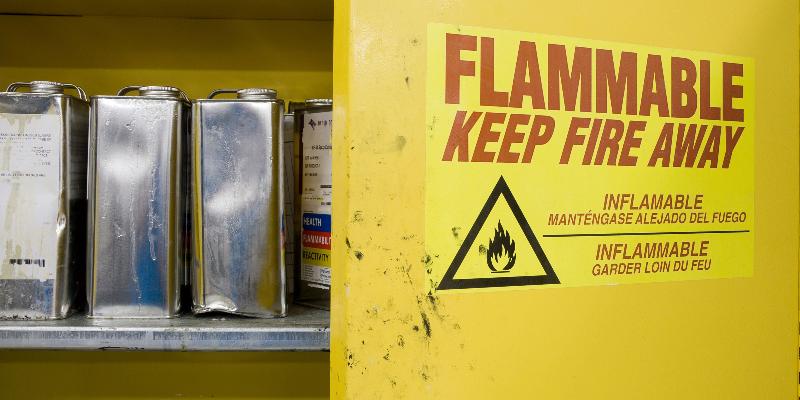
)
(393, 338)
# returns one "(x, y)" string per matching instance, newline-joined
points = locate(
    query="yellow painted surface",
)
(709, 339)
(103, 54)
(154, 375)
(240, 9)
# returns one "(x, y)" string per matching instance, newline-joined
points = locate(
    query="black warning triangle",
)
(450, 282)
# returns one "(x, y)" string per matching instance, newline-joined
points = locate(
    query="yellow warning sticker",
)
(558, 162)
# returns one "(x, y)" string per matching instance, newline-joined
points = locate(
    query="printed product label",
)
(321, 276)
(317, 156)
(559, 162)
(316, 199)
(316, 254)
(29, 195)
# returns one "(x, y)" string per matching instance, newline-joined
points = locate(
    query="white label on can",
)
(317, 156)
(316, 274)
(316, 199)
(29, 195)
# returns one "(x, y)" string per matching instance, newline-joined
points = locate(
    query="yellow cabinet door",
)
(416, 317)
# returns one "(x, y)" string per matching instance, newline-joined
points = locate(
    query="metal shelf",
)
(305, 329)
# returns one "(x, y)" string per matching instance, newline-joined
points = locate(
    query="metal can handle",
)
(215, 92)
(127, 89)
(16, 85)
(81, 93)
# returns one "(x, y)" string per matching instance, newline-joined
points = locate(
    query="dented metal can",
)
(238, 253)
(138, 191)
(43, 135)
(313, 278)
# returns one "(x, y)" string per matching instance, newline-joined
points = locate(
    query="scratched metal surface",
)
(65, 207)
(238, 264)
(305, 329)
(134, 269)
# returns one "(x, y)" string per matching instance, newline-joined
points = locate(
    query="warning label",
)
(555, 162)
(501, 250)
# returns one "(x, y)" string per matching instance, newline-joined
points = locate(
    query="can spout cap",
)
(257, 93)
(160, 91)
(155, 91)
(46, 87)
(319, 102)
(248, 93)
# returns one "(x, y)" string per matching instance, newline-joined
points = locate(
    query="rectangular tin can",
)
(238, 253)
(139, 189)
(43, 135)
(313, 280)
(291, 198)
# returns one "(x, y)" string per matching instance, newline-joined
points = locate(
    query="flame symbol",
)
(501, 251)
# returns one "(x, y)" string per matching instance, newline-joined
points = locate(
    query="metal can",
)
(313, 279)
(238, 253)
(42, 199)
(291, 197)
(292, 126)
(138, 191)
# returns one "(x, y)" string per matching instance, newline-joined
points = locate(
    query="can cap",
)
(248, 93)
(155, 91)
(319, 102)
(46, 87)
(159, 91)
(256, 93)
